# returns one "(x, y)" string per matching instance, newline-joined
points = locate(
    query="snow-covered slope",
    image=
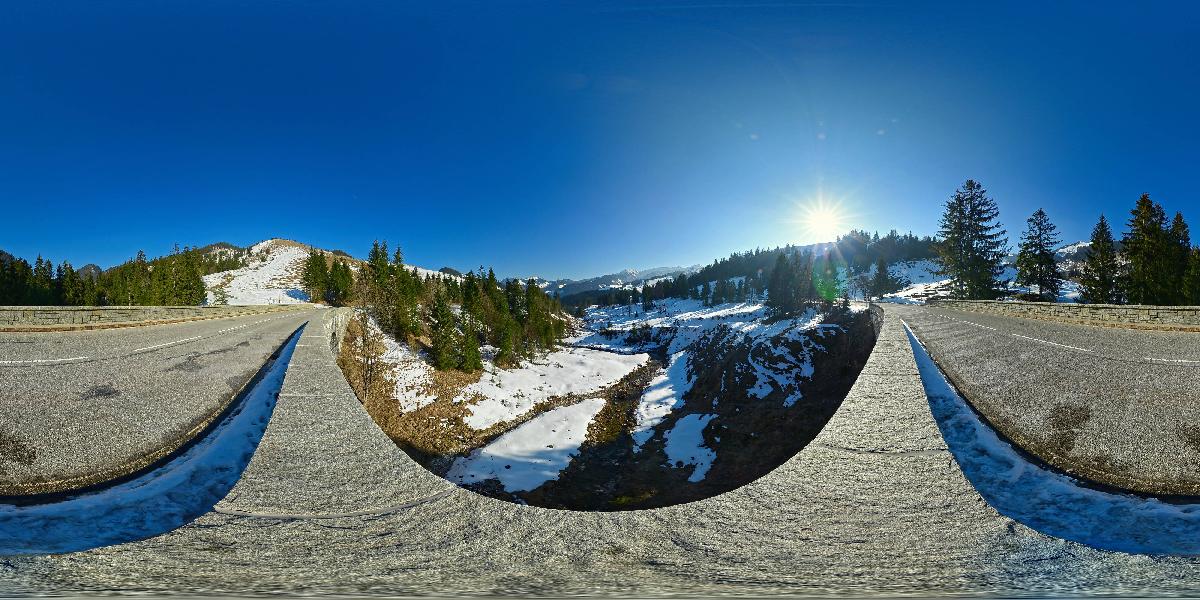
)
(272, 275)
(925, 282)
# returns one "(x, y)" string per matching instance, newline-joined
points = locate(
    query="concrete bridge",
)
(876, 504)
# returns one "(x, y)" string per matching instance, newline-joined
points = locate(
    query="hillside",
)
(627, 279)
(271, 275)
(640, 408)
(924, 282)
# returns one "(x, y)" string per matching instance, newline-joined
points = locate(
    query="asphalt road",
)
(875, 505)
(1115, 406)
(80, 408)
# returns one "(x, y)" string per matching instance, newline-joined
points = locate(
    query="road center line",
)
(1181, 361)
(191, 339)
(1049, 342)
(43, 361)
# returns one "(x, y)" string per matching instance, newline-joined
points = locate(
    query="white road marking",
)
(983, 326)
(1181, 361)
(1049, 342)
(191, 339)
(43, 361)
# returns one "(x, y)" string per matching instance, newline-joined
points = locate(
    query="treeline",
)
(327, 279)
(1156, 263)
(453, 317)
(747, 275)
(172, 280)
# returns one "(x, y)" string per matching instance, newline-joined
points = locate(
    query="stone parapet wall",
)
(83, 316)
(1133, 316)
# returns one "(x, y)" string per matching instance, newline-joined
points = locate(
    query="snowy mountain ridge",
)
(272, 275)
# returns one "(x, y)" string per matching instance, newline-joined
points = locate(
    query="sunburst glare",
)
(823, 221)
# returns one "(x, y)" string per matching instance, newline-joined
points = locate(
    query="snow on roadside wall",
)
(532, 454)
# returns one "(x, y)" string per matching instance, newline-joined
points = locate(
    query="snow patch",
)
(685, 445)
(663, 394)
(532, 454)
(505, 394)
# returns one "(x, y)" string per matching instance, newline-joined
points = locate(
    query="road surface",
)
(81, 408)
(1116, 406)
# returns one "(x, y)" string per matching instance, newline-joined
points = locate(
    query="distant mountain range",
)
(621, 279)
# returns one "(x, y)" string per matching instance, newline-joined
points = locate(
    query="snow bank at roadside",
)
(532, 454)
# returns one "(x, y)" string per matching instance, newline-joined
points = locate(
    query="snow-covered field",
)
(533, 453)
(505, 394)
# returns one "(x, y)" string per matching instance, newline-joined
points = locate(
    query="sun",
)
(823, 221)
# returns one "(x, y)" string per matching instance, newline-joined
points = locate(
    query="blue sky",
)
(581, 139)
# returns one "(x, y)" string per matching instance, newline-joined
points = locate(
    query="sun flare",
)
(823, 221)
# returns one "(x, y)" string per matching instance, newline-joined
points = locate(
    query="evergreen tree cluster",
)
(172, 280)
(1156, 263)
(327, 279)
(745, 275)
(518, 319)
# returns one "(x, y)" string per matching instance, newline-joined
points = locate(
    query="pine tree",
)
(1180, 248)
(470, 359)
(883, 282)
(781, 288)
(444, 343)
(1147, 252)
(315, 276)
(972, 243)
(1191, 281)
(1101, 271)
(42, 284)
(1035, 258)
(506, 348)
(70, 284)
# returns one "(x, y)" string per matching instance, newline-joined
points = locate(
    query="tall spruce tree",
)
(470, 359)
(882, 281)
(781, 288)
(444, 346)
(1191, 281)
(1179, 243)
(972, 244)
(1100, 278)
(315, 276)
(1148, 255)
(1035, 258)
